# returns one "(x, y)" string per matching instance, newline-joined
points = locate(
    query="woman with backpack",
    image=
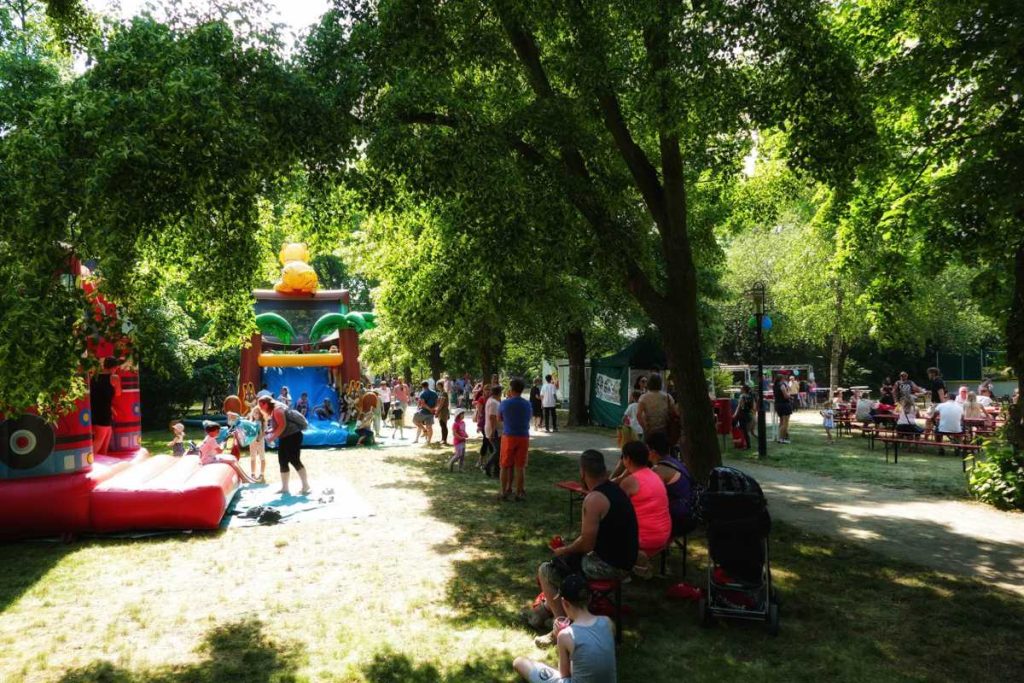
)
(285, 427)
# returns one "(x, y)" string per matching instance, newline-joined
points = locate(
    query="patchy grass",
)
(851, 459)
(429, 590)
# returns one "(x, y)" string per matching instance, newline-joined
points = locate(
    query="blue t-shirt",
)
(515, 413)
(429, 397)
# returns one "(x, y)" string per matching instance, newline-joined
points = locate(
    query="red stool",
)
(608, 590)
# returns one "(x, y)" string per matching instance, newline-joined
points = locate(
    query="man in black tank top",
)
(608, 543)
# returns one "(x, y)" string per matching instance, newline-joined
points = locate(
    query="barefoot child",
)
(398, 419)
(258, 446)
(364, 428)
(459, 439)
(210, 451)
(828, 420)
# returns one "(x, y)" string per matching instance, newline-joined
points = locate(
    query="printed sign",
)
(608, 389)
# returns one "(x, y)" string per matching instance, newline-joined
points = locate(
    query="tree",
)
(949, 100)
(153, 160)
(624, 109)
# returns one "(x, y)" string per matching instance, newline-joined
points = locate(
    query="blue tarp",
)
(312, 381)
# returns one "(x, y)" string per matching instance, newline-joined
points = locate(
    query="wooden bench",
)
(964, 450)
(576, 494)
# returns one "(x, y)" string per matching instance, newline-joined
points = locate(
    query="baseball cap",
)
(573, 588)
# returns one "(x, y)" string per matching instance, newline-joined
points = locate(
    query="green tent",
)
(611, 379)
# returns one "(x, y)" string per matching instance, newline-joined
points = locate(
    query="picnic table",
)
(960, 448)
(576, 494)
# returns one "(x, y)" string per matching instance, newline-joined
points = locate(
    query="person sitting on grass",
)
(606, 548)
(210, 451)
(586, 646)
(325, 411)
(650, 500)
(364, 428)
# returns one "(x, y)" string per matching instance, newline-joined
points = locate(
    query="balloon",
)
(752, 323)
(796, 373)
(766, 323)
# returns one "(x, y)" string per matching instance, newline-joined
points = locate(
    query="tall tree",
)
(625, 109)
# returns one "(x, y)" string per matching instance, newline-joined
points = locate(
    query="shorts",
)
(421, 418)
(539, 672)
(783, 408)
(592, 566)
(289, 452)
(514, 451)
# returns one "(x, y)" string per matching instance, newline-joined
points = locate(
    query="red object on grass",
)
(684, 591)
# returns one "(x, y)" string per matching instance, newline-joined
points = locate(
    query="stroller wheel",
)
(704, 613)
(773, 619)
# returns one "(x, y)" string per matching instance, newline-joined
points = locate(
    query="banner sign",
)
(608, 389)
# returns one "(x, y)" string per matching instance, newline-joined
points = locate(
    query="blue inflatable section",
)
(314, 383)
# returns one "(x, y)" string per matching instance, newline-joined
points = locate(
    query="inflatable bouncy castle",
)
(54, 482)
(308, 341)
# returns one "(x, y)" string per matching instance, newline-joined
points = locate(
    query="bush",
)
(998, 476)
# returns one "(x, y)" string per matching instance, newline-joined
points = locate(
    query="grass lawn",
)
(429, 590)
(850, 458)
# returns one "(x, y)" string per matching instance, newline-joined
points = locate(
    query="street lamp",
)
(757, 294)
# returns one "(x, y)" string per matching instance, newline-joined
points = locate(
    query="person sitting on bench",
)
(586, 645)
(606, 548)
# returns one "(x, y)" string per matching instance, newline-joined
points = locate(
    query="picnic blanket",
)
(330, 499)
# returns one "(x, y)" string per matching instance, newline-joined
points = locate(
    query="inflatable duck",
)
(297, 276)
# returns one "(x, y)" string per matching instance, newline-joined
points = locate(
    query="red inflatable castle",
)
(52, 482)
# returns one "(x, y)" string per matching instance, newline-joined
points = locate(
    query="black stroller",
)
(739, 574)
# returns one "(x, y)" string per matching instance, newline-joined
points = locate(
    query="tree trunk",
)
(1015, 348)
(833, 366)
(844, 352)
(576, 350)
(434, 359)
(837, 340)
(407, 373)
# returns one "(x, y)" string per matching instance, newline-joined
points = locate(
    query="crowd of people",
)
(945, 414)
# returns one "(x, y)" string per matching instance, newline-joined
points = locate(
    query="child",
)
(585, 642)
(210, 451)
(630, 422)
(365, 427)
(258, 447)
(459, 440)
(332, 371)
(325, 411)
(398, 419)
(302, 405)
(177, 444)
(828, 420)
(245, 433)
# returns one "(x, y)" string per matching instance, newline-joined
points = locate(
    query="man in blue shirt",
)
(515, 412)
(424, 417)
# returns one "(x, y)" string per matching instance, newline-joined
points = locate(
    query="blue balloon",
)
(766, 323)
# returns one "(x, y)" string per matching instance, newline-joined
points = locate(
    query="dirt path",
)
(960, 537)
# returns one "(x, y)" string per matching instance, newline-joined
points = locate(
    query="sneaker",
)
(545, 641)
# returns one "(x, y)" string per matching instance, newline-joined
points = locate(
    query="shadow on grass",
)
(24, 563)
(849, 613)
(392, 667)
(238, 651)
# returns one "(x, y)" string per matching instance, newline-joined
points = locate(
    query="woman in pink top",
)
(649, 496)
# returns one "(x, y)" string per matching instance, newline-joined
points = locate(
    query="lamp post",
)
(757, 294)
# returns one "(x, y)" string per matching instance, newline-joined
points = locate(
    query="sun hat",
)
(458, 411)
(210, 424)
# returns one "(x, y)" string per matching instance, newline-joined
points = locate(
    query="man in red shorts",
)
(515, 415)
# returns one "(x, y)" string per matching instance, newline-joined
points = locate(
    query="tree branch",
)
(576, 180)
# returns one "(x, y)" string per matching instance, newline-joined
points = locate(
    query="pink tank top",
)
(651, 505)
